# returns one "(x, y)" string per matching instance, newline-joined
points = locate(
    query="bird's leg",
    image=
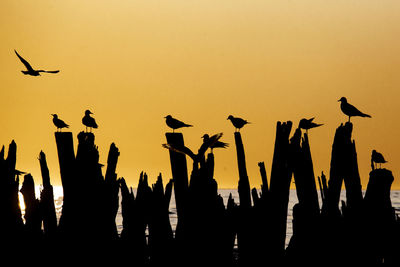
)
(349, 118)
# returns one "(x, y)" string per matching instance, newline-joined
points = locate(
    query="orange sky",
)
(134, 62)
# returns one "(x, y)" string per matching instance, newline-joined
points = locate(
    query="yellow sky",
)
(134, 62)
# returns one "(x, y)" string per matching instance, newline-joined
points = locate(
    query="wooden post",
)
(179, 174)
(279, 189)
(47, 200)
(66, 158)
(244, 185)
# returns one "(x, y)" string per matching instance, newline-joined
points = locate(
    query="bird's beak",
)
(52, 114)
(338, 100)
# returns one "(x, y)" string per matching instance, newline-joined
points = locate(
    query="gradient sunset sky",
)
(134, 62)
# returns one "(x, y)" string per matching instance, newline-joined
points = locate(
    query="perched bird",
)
(238, 123)
(174, 123)
(29, 70)
(307, 124)
(377, 157)
(203, 148)
(89, 121)
(206, 138)
(350, 110)
(59, 123)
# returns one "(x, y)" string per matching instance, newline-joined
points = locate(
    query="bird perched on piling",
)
(377, 157)
(203, 148)
(237, 122)
(307, 124)
(89, 121)
(350, 110)
(59, 123)
(29, 70)
(206, 139)
(174, 123)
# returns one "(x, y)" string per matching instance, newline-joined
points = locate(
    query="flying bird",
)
(59, 123)
(174, 123)
(29, 70)
(350, 110)
(307, 124)
(203, 148)
(238, 123)
(217, 144)
(377, 157)
(89, 121)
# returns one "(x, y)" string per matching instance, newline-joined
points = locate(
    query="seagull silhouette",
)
(174, 123)
(238, 123)
(29, 70)
(200, 154)
(307, 124)
(89, 121)
(206, 138)
(59, 123)
(350, 110)
(377, 157)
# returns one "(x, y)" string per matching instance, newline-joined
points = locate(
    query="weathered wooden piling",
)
(66, 159)
(303, 171)
(281, 174)
(244, 185)
(47, 200)
(179, 174)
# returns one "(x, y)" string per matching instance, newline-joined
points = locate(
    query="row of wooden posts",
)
(363, 229)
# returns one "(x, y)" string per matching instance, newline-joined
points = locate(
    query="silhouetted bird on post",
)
(29, 70)
(174, 123)
(350, 110)
(238, 123)
(377, 157)
(89, 121)
(206, 139)
(203, 148)
(307, 124)
(59, 123)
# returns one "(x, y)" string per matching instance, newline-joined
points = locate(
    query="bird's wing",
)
(220, 144)
(310, 120)
(49, 71)
(180, 149)
(213, 139)
(353, 110)
(27, 65)
(313, 125)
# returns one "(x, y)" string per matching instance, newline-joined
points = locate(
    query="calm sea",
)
(395, 197)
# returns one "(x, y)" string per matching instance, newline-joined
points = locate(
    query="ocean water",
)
(395, 198)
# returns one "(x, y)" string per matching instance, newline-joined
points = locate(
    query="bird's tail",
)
(365, 115)
(188, 125)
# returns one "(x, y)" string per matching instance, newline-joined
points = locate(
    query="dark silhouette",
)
(355, 230)
(174, 123)
(30, 70)
(237, 122)
(307, 124)
(350, 110)
(59, 123)
(211, 141)
(217, 144)
(377, 158)
(89, 121)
